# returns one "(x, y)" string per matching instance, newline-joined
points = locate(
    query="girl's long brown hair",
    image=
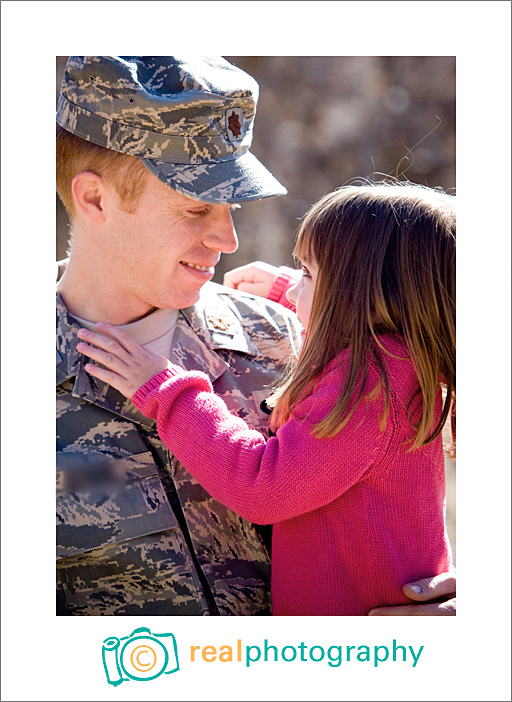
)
(386, 265)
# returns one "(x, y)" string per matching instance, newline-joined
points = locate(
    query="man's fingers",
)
(438, 609)
(431, 588)
(423, 591)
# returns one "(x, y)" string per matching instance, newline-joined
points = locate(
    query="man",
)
(152, 152)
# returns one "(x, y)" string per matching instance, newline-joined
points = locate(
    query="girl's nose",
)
(292, 292)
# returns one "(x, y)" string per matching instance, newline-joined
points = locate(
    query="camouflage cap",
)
(189, 119)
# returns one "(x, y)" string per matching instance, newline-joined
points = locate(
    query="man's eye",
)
(199, 213)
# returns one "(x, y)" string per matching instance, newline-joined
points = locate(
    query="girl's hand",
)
(255, 278)
(127, 365)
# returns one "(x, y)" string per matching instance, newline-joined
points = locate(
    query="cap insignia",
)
(234, 124)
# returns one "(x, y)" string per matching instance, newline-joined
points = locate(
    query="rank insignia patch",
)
(219, 322)
(235, 124)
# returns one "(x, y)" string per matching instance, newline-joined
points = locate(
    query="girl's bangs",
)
(305, 245)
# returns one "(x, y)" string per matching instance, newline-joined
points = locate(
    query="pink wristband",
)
(286, 278)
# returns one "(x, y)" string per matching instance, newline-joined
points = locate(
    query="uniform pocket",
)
(103, 501)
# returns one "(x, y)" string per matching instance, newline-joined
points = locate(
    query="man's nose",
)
(222, 234)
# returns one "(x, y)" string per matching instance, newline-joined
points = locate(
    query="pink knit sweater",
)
(355, 516)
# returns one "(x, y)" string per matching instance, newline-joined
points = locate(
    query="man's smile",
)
(210, 270)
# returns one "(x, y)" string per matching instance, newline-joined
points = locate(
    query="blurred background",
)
(324, 120)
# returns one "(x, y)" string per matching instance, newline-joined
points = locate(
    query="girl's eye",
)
(305, 272)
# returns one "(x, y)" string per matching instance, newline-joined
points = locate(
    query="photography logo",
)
(140, 656)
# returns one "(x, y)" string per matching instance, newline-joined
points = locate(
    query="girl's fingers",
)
(122, 337)
(109, 377)
(103, 342)
(127, 365)
(106, 358)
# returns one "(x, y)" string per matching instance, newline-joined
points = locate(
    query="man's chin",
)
(182, 301)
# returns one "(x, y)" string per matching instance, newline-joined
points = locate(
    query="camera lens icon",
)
(144, 658)
(140, 656)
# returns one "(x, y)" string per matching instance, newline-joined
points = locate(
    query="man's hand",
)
(255, 278)
(127, 365)
(441, 586)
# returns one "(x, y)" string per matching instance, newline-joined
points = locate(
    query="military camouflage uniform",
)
(136, 533)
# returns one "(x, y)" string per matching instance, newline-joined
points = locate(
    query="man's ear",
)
(89, 192)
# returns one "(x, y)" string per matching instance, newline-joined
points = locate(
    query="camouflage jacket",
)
(136, 533)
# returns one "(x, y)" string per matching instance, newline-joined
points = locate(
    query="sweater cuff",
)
(286, 278)
(154, 383)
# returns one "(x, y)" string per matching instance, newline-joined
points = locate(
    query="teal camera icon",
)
(140, 656)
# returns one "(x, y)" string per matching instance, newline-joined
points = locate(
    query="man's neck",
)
(92, 295)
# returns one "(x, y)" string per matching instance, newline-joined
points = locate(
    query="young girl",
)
(353, 479)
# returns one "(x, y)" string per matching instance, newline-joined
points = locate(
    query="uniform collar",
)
(212, 324)
(68, 358)
(217, 321)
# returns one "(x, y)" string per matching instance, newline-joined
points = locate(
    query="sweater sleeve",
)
(263, 481)
(286, 279)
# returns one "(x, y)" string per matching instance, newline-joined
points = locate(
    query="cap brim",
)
(240, 180)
